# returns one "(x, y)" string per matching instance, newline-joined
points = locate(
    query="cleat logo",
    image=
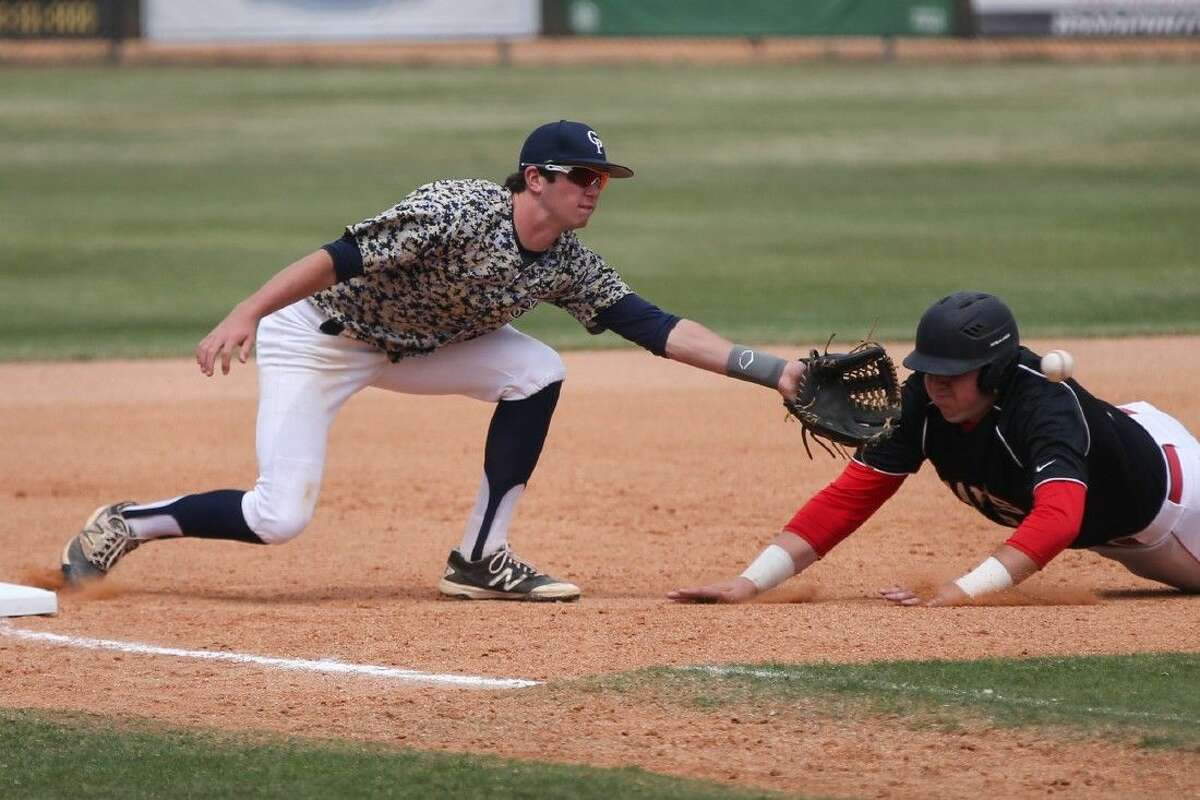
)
(510, 581)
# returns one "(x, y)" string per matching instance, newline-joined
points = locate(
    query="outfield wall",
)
(1087, 18)
(312, 20)
(169, 22)
(69, 19)
(761, 17)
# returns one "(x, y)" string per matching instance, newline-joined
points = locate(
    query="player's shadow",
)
(1165, 593)
(313, 596)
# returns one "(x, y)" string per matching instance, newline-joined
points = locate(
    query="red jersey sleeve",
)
(840, 508)
(1053, 523)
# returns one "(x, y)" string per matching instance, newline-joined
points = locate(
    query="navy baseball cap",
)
(571, 144)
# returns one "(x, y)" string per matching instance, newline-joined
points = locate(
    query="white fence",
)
(332, 20)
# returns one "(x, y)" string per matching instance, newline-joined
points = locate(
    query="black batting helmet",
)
(966, 331)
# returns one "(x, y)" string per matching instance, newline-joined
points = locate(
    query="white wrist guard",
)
(773, 566)
(990, 576)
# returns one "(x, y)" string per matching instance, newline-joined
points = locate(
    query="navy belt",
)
(332, 327)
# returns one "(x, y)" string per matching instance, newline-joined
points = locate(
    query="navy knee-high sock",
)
(211, 515)
(514, 444)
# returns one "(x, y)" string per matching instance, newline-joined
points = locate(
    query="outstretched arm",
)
(236, 332)
(1005, 567)
(1053, 524)
(693, 344)
(830, 516)
(787, 555)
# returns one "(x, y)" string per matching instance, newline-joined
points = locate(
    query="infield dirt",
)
(655, 476)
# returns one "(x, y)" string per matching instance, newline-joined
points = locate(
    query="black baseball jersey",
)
(1037, 431)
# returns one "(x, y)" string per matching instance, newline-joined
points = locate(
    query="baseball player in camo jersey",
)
(1062, 467)
(419, 299)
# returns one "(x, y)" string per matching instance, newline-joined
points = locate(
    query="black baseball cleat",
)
(104, 540)
(502, 576)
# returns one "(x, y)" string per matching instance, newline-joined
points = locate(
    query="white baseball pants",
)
(305, 376)
(1168, 550)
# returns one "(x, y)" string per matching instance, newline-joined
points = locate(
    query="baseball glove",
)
(849, 399)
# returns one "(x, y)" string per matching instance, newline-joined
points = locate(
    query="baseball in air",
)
(1058, 365)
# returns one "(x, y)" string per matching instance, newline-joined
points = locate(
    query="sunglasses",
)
(580, 176)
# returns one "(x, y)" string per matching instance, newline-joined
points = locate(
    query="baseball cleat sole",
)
(550, 593)
(75, 566)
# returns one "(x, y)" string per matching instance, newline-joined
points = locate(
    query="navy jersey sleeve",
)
(903, 452)
(639, 321)
(347, 261)
(1051, 435)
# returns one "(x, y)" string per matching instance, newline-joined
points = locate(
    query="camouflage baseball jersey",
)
(444, 266)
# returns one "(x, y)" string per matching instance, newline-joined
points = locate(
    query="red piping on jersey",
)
(1175, 490)
(1053, 523)
(840, 508)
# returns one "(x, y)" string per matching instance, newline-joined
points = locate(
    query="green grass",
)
(84, 757)
(774, 203)
(1147, 698)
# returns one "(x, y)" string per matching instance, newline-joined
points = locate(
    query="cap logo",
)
(1003, 338)
(594, 139)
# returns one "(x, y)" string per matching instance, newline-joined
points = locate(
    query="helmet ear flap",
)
(993, 376)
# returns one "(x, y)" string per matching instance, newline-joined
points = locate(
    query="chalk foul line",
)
(327, 666)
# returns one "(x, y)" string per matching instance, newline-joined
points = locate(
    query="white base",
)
(19, 601)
